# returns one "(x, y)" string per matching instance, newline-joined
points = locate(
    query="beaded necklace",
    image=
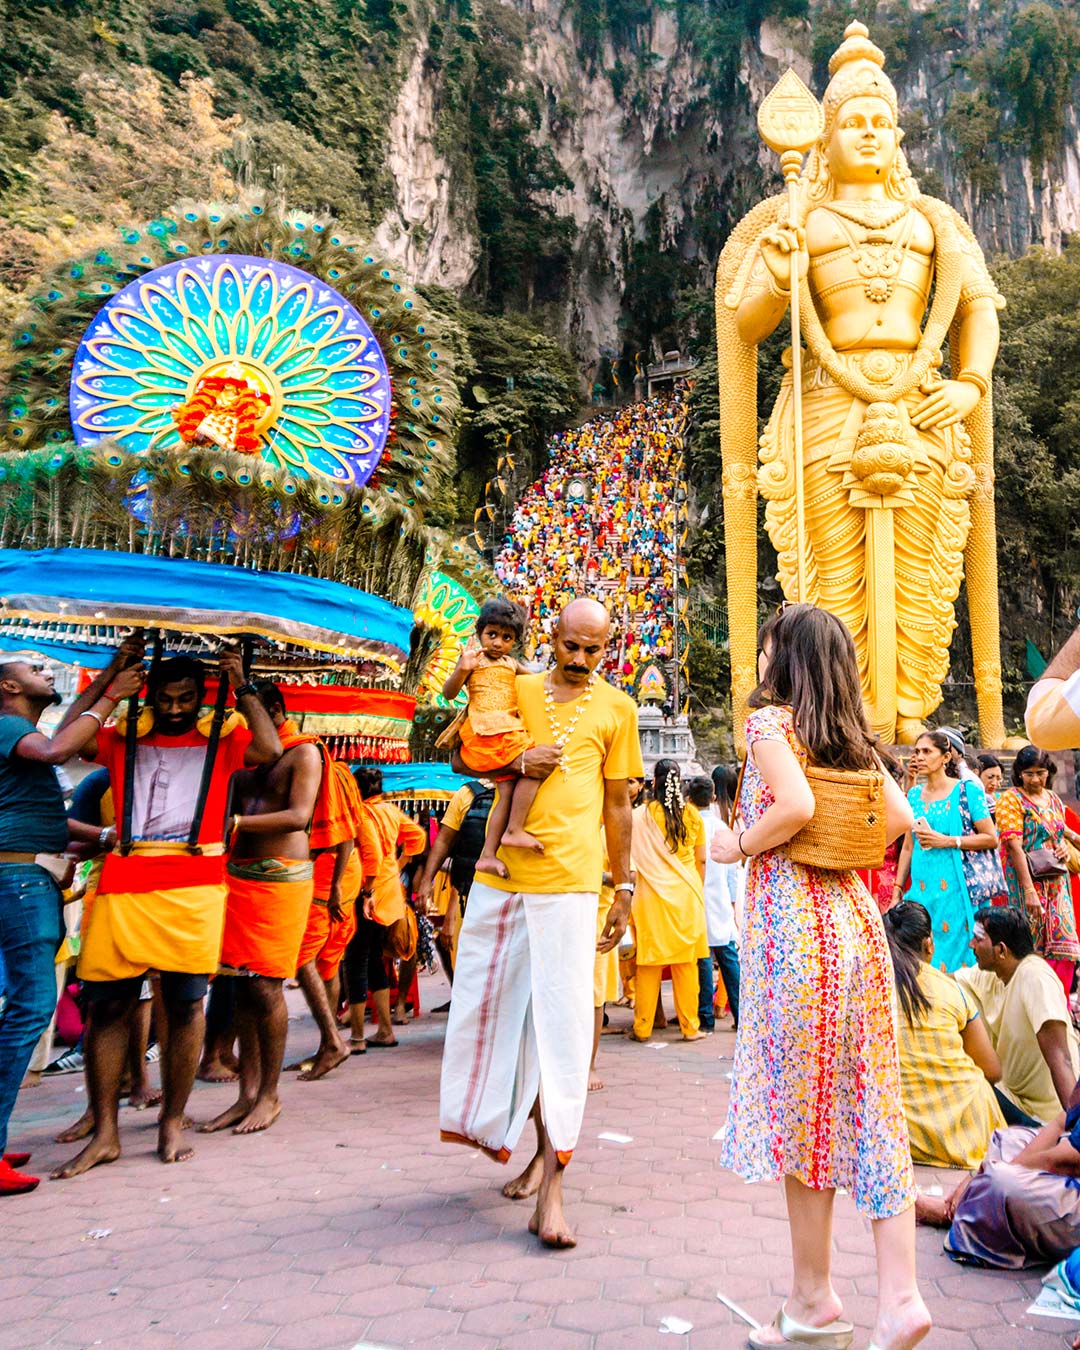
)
(561, 735)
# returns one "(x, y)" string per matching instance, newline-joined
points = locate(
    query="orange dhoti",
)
(265, 916)
(159, 909)
(325, 939)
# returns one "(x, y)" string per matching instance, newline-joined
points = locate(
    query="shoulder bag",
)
(847, 830)
(982, 867)
(1043, 863)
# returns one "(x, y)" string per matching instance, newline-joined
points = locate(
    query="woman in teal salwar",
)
(932, 855)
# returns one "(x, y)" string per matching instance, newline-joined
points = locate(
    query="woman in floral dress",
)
(1030, 816)
(816, 1090)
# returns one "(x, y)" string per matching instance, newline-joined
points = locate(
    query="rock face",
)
(656, 144)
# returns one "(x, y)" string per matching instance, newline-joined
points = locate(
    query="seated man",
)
(1024, 1007)
(1022, 1208)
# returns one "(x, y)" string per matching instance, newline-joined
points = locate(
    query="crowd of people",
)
(601, 522)
(916, 1010)
(221, 847)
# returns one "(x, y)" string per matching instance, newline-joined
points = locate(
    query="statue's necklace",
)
(877, 258)
(560, 734)
(871, 215)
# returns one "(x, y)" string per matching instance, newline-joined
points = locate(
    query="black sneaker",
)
(72, 1062)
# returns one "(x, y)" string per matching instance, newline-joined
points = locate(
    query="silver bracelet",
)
(624, 886)
(96, 716)
(522, 770)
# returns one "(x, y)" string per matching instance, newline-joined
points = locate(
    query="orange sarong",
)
(265, 916)
(128, 933)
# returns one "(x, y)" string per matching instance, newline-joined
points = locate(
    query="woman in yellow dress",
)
(948, 1065)
(668, 849)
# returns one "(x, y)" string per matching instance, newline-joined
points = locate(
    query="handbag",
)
(982, 867)
(847, 830)
(846, 833)
(1044, 863)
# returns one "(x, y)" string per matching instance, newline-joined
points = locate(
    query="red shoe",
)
(15, 1183)
(17, 1159)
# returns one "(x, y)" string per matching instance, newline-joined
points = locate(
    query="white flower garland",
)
(561, 735)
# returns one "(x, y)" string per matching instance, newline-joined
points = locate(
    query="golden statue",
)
(893, 489)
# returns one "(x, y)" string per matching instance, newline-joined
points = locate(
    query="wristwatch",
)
(243, 690)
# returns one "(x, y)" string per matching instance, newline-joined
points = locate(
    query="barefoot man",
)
(521, 1020)
(342, 857)
(270, 879)
(161, 906)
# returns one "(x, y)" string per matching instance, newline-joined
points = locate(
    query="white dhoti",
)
(521, 1019)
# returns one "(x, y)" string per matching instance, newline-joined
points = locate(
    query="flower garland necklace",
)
(561, 735)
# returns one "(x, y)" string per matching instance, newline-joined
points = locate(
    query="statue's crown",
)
(856, 69)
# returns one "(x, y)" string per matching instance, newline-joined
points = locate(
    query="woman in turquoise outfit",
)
(932, 855)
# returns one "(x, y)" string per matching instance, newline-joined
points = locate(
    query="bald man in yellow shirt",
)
(521, 1019)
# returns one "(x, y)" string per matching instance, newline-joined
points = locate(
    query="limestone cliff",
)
(657, 142)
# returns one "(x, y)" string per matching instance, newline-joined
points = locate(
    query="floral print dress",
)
(816, 1088)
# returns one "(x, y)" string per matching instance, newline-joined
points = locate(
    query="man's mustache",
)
(577, 670)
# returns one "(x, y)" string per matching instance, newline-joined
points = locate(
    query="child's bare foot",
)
(522, 839)
(488, 862)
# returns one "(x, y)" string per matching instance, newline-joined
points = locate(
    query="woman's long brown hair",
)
(813, 670)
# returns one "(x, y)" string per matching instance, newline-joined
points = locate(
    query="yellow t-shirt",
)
(567, 812)
(1053, 713)
(457, 808)
(1014, 1013)
(950, 1107)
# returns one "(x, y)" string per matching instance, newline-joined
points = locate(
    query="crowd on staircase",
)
(601, 522)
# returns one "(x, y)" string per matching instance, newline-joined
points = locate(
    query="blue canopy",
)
(92, 586)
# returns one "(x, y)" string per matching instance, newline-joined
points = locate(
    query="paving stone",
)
(350, 1222)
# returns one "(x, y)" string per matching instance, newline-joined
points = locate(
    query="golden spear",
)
(790, 122)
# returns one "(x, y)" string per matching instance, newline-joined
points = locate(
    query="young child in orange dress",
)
(493, 737)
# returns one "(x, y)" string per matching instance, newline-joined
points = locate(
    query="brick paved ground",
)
(349, 1224)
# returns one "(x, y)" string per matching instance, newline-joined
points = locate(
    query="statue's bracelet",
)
(977, 378)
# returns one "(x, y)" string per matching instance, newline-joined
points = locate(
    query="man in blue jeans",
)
(33, 837)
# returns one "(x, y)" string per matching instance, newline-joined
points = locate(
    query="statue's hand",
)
(948, 403)
(777, 246)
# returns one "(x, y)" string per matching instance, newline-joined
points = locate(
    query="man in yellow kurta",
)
(521, 1018)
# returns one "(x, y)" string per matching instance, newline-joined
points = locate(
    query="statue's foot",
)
(908, 730)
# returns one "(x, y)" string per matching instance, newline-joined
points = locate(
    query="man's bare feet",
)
(402, 1017)
(528, 1183)
(697, 1036)
(83, 1127)
(381, 1042)
(641, 1040)
(215, 1071)
(171, 1147)
(300, 1066)
(521, 839)
(95, 1154)
(595, 1084)
(143, 1097)
(32, 1079)
(493, 866)
(324, 1061)
(261, 1116)
(232, 1115)
(549, 1223)
(901, 1326)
